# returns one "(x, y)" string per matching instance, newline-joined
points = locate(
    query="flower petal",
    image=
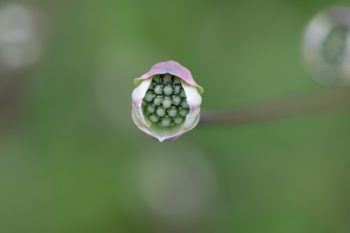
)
(137, 96)
(192, 119)
(139, 122)
(193, 97)
(171, 67)
(140, 91)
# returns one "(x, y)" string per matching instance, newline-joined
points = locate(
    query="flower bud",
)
(166, 101)
(326, 47)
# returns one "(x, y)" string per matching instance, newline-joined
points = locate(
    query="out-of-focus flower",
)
(22, 33)
(178, 187)
(166, 102)
(327, 46)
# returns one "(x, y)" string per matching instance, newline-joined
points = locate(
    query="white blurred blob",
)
(118, 66)
(179, 188)
(327, 46)
(21, 35)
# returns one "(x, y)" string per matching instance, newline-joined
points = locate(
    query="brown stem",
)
(11, 84)
(299, 104)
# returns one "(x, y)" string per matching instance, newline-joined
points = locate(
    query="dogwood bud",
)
(166, 101)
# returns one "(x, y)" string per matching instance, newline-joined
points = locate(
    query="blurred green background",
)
(71, 159)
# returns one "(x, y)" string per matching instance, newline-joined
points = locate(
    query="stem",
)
(299, 104)
(11, 84)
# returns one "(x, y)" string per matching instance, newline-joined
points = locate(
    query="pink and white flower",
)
(166, 101)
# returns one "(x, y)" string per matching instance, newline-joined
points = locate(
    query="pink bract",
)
(173, 68)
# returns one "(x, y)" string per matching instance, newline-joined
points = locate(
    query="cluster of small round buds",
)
(160, 112)
(151, 108)
(176, 81)
(158, 89)
(149, 96)
(157, 79)
(177, 89)
(165, 101)
(183, 94)
(158, 100)
(151, 86)
(183, 112)
(172, 112)
(167, 79)
(165, 122)
(168, 90)
(154, 118)
(178, 120)
(176, 99)
(184, 105)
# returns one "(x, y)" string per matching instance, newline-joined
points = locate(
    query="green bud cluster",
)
(165, 101)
